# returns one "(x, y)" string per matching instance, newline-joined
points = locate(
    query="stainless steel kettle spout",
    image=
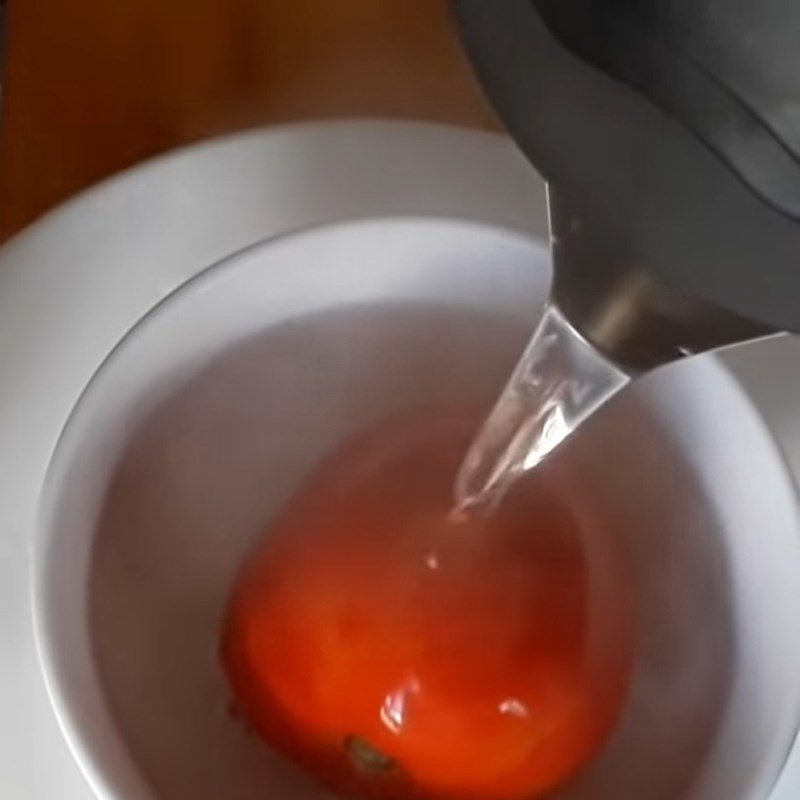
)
(621, 308)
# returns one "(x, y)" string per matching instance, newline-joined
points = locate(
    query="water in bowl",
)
(398, 652)
(400, 646)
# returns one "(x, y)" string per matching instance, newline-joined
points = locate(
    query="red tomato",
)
(395, 653)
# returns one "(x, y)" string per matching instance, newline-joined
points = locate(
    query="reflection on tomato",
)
(395, 653)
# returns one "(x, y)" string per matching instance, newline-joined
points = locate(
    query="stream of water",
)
(560, 381)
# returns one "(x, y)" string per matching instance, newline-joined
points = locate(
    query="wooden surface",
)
(93, 86)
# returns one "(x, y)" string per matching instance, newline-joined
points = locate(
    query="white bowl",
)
(221, 400)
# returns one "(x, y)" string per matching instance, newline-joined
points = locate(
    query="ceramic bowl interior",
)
(217, 405)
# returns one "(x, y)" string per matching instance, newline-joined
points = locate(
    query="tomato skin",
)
(394, 653)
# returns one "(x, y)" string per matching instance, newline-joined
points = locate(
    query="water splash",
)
(560, 381)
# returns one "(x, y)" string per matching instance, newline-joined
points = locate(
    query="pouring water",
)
(560, 381)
